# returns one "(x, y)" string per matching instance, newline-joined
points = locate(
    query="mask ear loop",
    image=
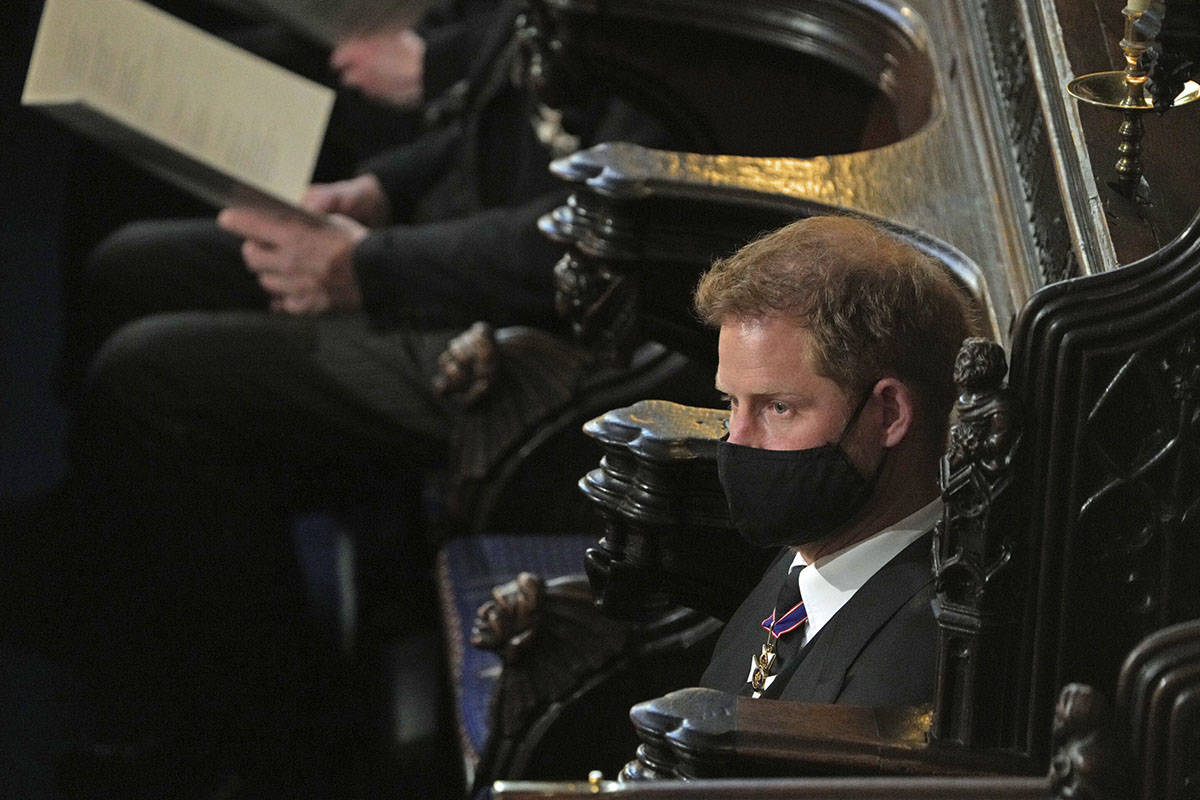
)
(854, 417)
(870, 485)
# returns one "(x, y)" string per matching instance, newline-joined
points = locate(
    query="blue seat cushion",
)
(468, 569)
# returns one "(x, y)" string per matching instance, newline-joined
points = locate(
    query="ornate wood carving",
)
(641, 225)
(568, 667)
(667, 539)
(1150, 747)
(1086, 764)
(1028, 138)
(1147, 748)
(601, 305)
(552, 638)
(1100, 500)
(523, 395)
(633, 259)
(1105, 368)
(973, 548)
(1141, 487)
(1158, 707)
(656, 720)
(509, 382)
(468, 366)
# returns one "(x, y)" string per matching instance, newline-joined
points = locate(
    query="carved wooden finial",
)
(507, 622)
(973, 547)
(467, 368)
(985, 432)
(1085, 765)
(979, 366)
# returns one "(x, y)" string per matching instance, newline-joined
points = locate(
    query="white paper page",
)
(138, 66)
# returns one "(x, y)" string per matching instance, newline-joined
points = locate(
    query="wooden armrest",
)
(668, 540)
(703, 733)
(894, 788)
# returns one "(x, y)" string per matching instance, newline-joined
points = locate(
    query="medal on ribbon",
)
(764, 662)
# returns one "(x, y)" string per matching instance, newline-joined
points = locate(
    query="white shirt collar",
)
(830, 581)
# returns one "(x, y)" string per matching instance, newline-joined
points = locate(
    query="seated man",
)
(837, 343)
(301, 370)
(398, 82)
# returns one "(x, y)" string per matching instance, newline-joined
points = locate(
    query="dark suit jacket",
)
(880, 649)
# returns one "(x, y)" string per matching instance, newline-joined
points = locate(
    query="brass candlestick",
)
(1126, 90)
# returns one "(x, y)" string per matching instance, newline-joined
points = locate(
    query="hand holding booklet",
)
(222, 123)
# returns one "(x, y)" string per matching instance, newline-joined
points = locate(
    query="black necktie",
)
(786, 602)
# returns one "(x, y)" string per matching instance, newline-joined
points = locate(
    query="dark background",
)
(43, 713)
(59, 194)
(33, 152)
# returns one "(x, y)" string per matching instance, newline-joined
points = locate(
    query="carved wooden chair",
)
(1144, 747)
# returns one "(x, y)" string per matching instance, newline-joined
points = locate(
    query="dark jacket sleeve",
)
(407, 172)
(453, 45)
(493, 265)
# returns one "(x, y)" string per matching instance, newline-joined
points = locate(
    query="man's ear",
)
(898, 416)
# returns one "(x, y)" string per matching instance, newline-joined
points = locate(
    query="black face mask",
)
(792, 497)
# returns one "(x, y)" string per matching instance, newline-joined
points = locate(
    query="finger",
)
(320, 198)
(345, 52)
(273, 283)
(291, 305)
(354, 74)
(261, 258)
(253, 223)
(301, 304)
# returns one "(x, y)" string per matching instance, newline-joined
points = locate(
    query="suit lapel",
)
(818, 675)
(743, 634)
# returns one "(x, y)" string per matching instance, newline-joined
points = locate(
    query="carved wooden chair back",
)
(1072, 533)
(863, 65)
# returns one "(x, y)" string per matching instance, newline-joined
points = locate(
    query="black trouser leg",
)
(197, 435)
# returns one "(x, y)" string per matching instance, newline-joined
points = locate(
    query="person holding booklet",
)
(396, 80)
(262, 365)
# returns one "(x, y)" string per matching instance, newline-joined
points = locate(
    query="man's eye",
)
(779, 407)
(729, 401)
